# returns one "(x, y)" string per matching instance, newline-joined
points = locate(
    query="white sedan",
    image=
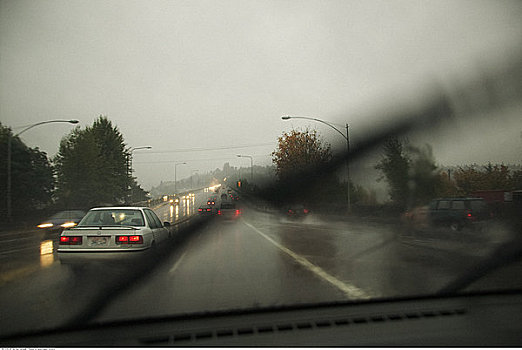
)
(112, 233)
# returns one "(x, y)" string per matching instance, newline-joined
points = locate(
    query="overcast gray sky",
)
(185, 75)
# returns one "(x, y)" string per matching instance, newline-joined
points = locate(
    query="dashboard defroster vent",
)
(180, 338)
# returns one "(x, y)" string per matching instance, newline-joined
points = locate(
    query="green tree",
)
(445, 186)
(32, 181)
(92, 166)
(424, 181)
(138, 194)
(395, 166)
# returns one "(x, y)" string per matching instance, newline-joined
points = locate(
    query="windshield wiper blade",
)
(438, 110)
(139, 272)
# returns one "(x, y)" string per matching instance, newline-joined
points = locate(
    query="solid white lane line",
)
(351, 291)
(174, 268)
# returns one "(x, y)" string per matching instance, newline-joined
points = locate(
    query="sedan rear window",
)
(113, 217)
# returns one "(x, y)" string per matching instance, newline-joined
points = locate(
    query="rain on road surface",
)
(258, 260)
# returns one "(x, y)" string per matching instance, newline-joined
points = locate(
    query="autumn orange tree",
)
(491, 177)
(299, 152)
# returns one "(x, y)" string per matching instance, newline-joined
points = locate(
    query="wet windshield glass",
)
(369, 150)
(113, 217)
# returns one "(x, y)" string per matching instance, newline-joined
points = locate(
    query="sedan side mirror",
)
(166, 224)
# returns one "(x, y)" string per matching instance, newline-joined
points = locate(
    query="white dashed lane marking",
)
(351, 291)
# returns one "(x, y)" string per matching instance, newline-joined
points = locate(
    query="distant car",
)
(62, 220)
(206, 210)
(212, 201)
(112, 234)
(228, 210)
(297, 211)
(458, 213)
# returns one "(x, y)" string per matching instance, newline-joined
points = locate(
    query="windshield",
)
(370, 150)
(113, 217)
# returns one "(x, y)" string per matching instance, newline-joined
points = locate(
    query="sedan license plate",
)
(98, 241)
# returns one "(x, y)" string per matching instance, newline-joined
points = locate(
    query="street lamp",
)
(251, 166)
(176, 176)
(9, 141)
(130, 165)
(347, 138)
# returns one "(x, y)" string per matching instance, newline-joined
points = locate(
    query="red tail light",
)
(305, 211)
(208, 209)
(129, 239)
(238, 212)
(219, 212)
(122, 239)
(200, 209)
(469, 215)
(70, 240)
(136, 239)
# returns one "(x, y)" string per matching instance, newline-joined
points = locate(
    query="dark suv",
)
(458, 213)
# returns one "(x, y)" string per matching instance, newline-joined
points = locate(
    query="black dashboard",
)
(466, 320)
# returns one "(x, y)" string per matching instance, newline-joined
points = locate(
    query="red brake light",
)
(208, 209)
(129, 239)
(71, 240)
(136, 239)
(200, 209)
(305, 211)
(469, 215)
(219, 212)
(237, 212)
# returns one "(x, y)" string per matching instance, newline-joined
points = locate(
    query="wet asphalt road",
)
(260, 259)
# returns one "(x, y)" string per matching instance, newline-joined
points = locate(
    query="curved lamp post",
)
(130, 166)
(9, 141)
(251, 166)
(346, 137)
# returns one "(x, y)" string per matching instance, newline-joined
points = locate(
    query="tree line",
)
(414, 178)
(411, 173)
(91, 168)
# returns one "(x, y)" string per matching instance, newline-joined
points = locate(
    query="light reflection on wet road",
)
(259, 260)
